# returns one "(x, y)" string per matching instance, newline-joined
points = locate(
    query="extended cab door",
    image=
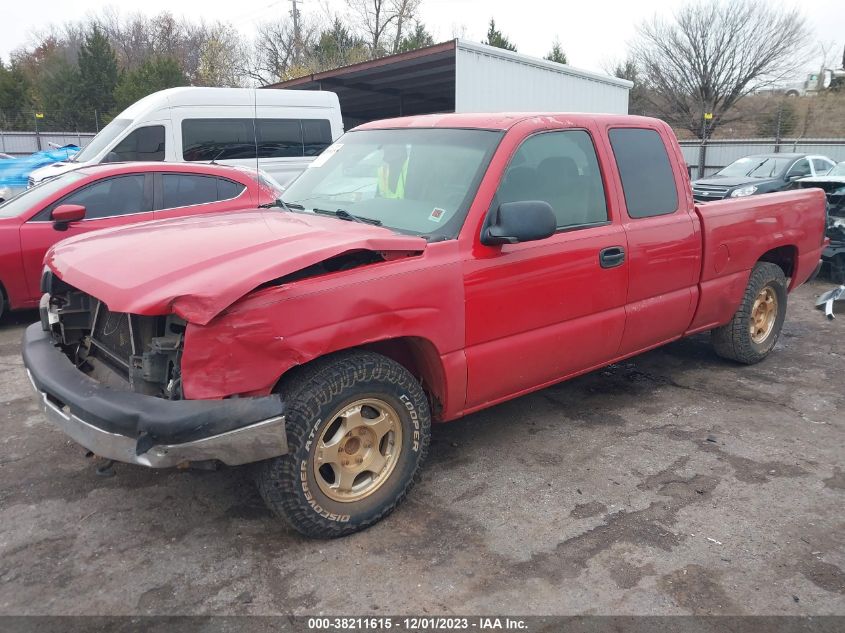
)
(664, 240)
(539, 311)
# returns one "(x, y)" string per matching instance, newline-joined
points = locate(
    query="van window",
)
(145, 143)
(225, 139)
(220, 139)
(317, 135)
(279, 138)
(647, 179)
(102, 140)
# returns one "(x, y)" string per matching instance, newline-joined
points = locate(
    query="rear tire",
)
(754, 329)
(358, 428)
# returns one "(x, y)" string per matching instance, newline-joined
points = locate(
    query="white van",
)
(289, 128)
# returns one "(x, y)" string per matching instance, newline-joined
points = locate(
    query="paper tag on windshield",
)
(436, 215)
(330, 151)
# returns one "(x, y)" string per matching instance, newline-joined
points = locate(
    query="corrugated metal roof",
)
(423, 81)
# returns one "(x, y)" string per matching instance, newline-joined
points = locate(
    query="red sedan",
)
(103, 196)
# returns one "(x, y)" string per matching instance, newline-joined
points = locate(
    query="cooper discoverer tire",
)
(754, 329)
(358, 429)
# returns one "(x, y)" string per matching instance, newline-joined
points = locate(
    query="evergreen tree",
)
(418, 38)
(14, 97)
(157, 73)
(497, 39)
(59, 96)
(98, 75)
(556, 54)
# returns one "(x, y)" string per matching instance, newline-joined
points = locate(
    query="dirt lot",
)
(675, 483)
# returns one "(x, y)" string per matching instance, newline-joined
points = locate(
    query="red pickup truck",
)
(422, 268)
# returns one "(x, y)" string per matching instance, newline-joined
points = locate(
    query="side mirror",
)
(794, 177)
(515, 222)
(64, 214)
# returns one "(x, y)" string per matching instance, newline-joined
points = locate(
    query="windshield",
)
(756, 167)
(417, 181)
(37, 196)
(839, 170)
(102, 140)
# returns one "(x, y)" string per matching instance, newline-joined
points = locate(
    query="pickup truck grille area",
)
(112, 335)
(127, 351)
(703, 193)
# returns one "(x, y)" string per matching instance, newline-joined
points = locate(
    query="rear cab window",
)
(648, 181)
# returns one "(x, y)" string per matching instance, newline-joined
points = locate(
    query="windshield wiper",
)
(343, 214)
(281, 204)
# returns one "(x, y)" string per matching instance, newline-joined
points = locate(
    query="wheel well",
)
(418, 355)
(783, 256)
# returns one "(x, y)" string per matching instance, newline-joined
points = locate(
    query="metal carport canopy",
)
(417, 82)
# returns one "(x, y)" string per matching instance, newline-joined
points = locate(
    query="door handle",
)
(611, 256)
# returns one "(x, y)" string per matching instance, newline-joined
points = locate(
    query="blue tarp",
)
(15, 172)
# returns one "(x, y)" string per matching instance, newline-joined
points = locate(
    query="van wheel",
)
(756, 326)
(358, 428)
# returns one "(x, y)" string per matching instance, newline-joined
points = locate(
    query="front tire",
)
(358, 429)
(752, 333)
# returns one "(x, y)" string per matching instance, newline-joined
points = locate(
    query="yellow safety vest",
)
(384, 181)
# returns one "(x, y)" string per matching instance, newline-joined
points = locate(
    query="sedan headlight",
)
(743, 191)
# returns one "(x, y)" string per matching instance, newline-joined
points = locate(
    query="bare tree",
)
(405, 11)
(277, 50)
(384, 22)
(714, 53)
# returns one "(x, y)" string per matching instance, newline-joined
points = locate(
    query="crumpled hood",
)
(198, 266)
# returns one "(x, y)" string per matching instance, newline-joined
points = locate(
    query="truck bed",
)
(736, 233)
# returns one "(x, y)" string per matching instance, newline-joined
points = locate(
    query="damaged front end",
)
(126, 351)
(112, 382)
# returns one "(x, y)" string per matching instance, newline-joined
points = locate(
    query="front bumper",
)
(145, 430)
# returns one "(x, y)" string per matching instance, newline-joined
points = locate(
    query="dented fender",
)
(248, 348)
(196, 267)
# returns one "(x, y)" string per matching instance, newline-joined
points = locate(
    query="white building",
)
(462, 76)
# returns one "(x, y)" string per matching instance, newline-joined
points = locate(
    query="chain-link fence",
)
(76, 121)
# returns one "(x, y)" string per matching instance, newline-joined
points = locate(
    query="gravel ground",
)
(675, 483)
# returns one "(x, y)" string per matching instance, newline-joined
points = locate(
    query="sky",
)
(593, 34)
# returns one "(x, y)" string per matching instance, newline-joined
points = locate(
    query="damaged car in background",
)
(421, 269)
(833, 185)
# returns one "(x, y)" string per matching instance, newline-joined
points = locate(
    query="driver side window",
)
(800, 169)
(560, 168)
